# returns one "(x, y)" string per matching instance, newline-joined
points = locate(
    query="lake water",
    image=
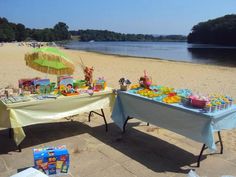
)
(177, 51)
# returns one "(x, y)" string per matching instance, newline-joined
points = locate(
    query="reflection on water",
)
(220, 56)
(177, 51)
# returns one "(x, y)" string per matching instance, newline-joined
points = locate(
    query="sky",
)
(126, 16)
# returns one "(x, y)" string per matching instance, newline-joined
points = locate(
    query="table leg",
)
(19, 148)
(102, 115)
(90, 114)
(10, 133)
(126, 121)
(200, 155)
(221, 142)
(205, 147)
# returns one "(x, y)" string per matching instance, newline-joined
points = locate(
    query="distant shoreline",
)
(233, 65)
(125, 56)
(149, 58)
(193, 61)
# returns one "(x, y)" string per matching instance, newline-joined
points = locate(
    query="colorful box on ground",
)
(52, 160)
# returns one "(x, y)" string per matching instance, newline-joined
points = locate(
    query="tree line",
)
(220, 31)
(18, 32)
(105, 35)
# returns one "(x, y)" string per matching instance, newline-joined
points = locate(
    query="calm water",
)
(177, 51)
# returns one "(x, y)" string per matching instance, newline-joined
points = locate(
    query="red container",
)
(172, 94)
(198, 103)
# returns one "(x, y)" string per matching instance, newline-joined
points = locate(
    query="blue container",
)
(52, 160)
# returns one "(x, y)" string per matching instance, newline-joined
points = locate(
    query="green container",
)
(79, 84)
(52, 86)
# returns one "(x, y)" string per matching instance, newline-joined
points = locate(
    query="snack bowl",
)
(198, 103)
(185, 101)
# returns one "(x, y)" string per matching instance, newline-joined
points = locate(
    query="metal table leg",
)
(90, 114)
(126, 121)
(200, 155)
(19, 148)
(10, 133)
(221, 142)
(205, 147)
(102, 115)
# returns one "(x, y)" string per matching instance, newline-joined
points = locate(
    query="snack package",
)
(27, 84)
(99, 84)
(80, 84)
(42, 86)
(51, 160)
(64, 83)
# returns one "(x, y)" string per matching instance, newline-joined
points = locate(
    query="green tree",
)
(20, 32)
(7, 33)
(61, 31)
(104, 35)
(48, 35)
(221, 30)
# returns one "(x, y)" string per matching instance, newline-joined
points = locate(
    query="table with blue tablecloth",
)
(187, 121)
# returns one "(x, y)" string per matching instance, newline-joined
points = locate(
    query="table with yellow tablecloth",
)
(34, 111)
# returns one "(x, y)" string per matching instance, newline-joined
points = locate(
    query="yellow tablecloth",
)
(18, 115)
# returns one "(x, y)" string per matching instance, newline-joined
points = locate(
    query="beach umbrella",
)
(49, 60)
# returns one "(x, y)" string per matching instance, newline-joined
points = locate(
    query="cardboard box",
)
(64, 82)
(52, 160)
(27, 84)
(79, 84)
(42, 86)
(99, 84)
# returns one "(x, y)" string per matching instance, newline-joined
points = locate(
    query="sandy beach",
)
(109, 153)
(206, 79)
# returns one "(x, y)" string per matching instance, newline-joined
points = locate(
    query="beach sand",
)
(201, 78)
(198, 77)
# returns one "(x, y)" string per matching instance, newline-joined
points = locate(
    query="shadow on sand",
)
(154, 153)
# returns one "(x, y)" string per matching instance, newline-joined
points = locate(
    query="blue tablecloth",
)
(189, 122)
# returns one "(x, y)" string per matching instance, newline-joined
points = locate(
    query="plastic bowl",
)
(185, 101)
(198, 103)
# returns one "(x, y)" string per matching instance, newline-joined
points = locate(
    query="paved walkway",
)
(143, 151)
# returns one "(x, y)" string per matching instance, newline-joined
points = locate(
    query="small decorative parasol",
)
(49, 60)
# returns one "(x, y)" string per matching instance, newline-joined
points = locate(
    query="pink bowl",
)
(198, 103)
